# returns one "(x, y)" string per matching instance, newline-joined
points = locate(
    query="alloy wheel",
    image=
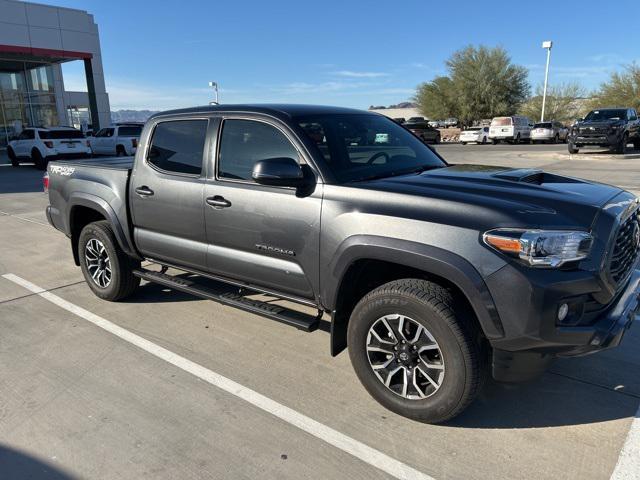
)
(405, 357)
(98, 262)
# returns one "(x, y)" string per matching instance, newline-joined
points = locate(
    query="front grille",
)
(587, 131)
(625, 250)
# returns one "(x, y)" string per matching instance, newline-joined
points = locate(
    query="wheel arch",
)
(380, 260)
(86, 208)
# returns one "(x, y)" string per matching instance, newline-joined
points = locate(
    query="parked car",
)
(451, 122)
(434, 275)
(424, 131)
(120, 139)
(513, 129)
(436, 123)
(40, 145)
(474, 134)
(416, 120)
(550, 132)
(399, 120)
(613, 128)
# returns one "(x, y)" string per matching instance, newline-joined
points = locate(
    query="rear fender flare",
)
(82, 199)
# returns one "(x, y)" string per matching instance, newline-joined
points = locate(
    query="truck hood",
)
(509, 196)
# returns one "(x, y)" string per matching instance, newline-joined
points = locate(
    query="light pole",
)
(214, 85)
(548, 44)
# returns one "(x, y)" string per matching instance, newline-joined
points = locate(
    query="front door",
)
(166, 194)
(266, 236)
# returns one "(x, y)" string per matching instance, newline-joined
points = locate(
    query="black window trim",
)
(205, 149)
(223, 119)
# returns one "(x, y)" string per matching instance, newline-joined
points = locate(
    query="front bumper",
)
(534, 337)
(593, 139)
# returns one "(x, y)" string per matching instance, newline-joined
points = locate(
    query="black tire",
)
(12, 157)
(621, 147)
(122, 281)
(120, 151)
(484, 141)
(636, 144)
(437, 139)
(516, 141)
(556, 139)
(463, 143)
(38, 160)
(458, 340)
(572, 148)
(494, 141)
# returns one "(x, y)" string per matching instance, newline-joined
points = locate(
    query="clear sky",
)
(162, 54)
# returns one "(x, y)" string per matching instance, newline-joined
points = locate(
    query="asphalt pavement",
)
(166, 386)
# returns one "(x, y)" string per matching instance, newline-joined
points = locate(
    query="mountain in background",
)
(131, 115)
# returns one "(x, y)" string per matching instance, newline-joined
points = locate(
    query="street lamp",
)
(214, 85)
(548, 44)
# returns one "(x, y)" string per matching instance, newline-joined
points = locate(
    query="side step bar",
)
(223, 294)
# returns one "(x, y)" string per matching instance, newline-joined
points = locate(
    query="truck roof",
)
(288, 110)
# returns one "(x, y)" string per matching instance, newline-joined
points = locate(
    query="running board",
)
(222, 295)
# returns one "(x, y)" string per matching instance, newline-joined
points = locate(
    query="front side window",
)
(364, 146)
(178, 146)
(245, 142)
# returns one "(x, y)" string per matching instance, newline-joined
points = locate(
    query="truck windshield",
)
(360, 147)
(613, 114)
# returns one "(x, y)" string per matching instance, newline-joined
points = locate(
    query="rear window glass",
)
(60, 134)
(130, 131)
(542, 125)
(501, 121)
(178, 146)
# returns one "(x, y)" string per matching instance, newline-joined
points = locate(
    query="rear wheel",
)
(106, 268)
(120, 151)
(39, 161)
(415, 351)
(12, 157)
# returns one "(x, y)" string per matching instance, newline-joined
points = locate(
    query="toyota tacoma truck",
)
(613, 128)
(434, 276)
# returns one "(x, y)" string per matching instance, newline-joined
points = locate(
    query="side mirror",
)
(278, 172)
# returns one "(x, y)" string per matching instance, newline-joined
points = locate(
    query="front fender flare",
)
(427, 258)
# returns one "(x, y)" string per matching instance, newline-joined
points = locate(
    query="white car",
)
(474, 134)
(553, 132)
(510, 129)
(120, 139)
(39, 145)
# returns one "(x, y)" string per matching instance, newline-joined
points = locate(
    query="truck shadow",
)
(19, 465)
(592, 389)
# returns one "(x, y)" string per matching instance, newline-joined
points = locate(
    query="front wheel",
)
(39, 161)
(494, 141)
(415, 351)
(106, 268)
(572, 148)
(621, 147)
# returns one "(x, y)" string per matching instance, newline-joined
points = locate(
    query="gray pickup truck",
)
(433, 275)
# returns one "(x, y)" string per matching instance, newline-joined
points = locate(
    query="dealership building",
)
(35, 40)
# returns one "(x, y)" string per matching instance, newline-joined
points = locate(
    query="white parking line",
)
(628, 466)
(327, 434)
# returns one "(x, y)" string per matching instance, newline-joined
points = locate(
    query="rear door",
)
(23, 144)
(263, 235)
(166, 192)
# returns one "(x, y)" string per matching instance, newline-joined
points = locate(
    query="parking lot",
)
(165, 385)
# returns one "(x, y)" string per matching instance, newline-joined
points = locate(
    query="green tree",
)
(565, 103)
(482, 83)
(622, 89)
(436, 99)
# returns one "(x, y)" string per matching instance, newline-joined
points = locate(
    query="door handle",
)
(144, 191)
(218, 201)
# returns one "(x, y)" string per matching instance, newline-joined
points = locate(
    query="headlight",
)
(545, 248)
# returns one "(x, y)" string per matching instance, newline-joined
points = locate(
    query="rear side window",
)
(130, 131)
(27, 135)
(245, 142)
(177, 146)
(60, 134)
